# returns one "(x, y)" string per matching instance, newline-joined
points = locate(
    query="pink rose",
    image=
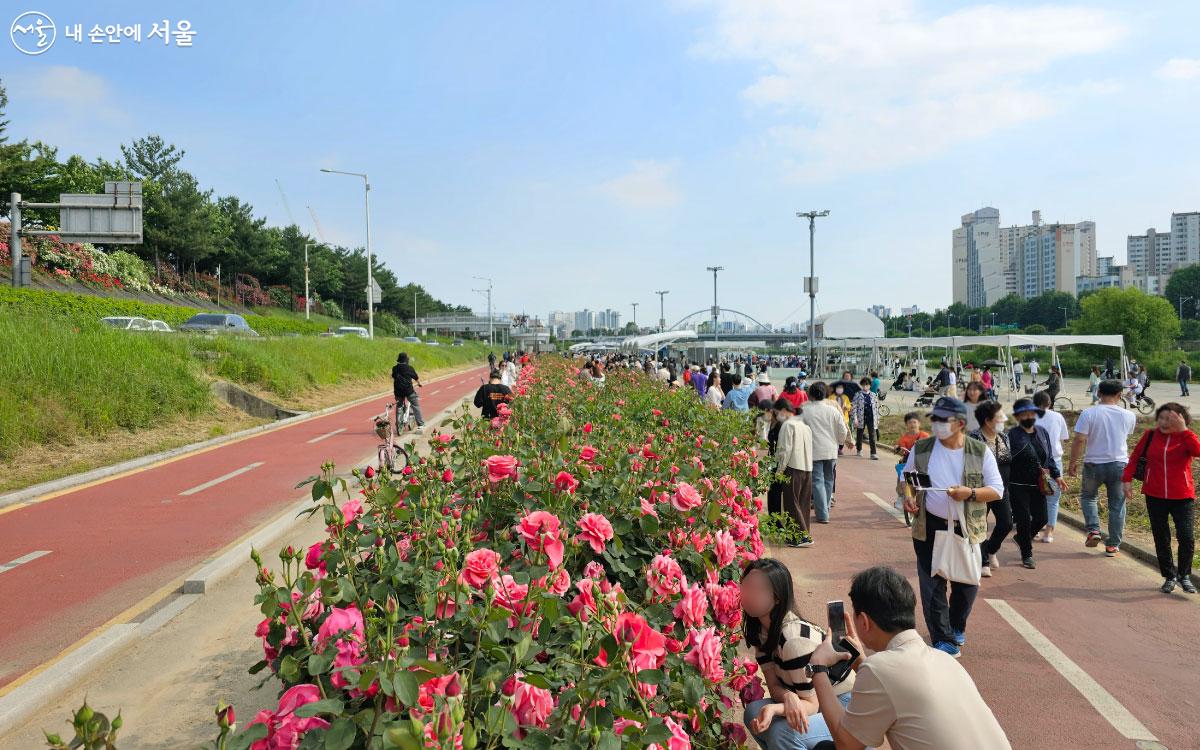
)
(725, 548)
(338, 623)
(587, 428)
(665, 577)
(706, 654)
(648, 508)
(352, 510)
(531, 706)
(594, 529)
(509, 594)
(500, 468)
(647, 646)
(447, 476)
(686, 497)
(480, 566)
(679, 737)
(445, 437)
(540, 530)
(692, 607)
(726, 603)
(587, 453)
(564, 482)
(584, 602)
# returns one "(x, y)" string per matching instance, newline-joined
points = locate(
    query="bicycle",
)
(884, 409)
(1063, 404)
(1141, 402)
(392, 455)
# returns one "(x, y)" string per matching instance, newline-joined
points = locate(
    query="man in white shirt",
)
(1017, 367)
(829, 431)
(963, 477)
(1056, 428)
(1104, 430)
(1033, 369)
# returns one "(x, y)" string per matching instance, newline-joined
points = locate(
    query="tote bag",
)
(955, 558)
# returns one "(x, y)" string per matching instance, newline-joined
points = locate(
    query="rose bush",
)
(564, 575)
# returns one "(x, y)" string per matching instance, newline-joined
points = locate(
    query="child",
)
(912, 433)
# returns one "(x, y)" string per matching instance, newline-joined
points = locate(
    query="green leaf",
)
(406, 686)
(340, 735)
(326, 706)
(320, 663)
(289, 669)
(650, 676)
(248, 736)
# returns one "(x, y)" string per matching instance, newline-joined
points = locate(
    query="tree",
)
(1010, 309)
(150, 158)
(1185, 282)
(3, 122)
(1147, 322)
(1046, 309)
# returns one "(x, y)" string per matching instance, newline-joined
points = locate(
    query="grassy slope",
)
(65, 379)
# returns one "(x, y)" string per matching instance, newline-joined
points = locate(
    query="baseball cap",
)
(947, 406)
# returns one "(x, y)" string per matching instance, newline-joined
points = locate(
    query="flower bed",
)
(563, 576)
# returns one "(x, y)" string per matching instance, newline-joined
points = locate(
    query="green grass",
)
(64, 376)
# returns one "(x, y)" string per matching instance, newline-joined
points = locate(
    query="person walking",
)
(738, 399)
(1094, 383)
(491, 395)
(764, 391)
(1165, 452)
(829, 433)
(1017, 367)
(792, 391)
(963, 478)
(1053, 382)
(973, 396)
(912, 433)
(1100, 439)
(1034, 367)
(1056, 427)
(793, 456)
(991, 418)
(1029, 445)
(1183, 374)
(713, 395)
(699, 381)
(864, 413)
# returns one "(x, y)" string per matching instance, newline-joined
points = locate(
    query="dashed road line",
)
(326, 435)
(222, 478)
(23, 559)
(1103, 701)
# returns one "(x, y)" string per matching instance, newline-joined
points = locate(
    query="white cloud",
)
(857, 86)
(88, 94)
(1180, 69)
(647, 185)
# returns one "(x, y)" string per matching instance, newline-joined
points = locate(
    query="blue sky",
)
(586, 154)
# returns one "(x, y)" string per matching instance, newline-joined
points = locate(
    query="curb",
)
(1131, 549)
(62, 674)
(106, 472)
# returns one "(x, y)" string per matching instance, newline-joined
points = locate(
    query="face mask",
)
(782, 417)
(838, 391)
(1027, 423)
(941, 430)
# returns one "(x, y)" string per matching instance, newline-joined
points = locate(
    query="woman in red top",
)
(1169, 449)
(793, 394)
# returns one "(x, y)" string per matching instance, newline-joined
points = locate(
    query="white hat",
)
(764, 378)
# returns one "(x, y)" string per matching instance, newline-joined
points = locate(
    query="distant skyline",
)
(586, 155)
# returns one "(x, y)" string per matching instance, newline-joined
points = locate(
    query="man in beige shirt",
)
(918, 697)
(793, 457)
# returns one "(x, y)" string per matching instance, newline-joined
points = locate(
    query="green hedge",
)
(83, 308)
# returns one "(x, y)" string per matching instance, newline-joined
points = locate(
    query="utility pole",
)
(662, 318)
(307, 303)
(810, 286)
(634, 316)
(715, 309)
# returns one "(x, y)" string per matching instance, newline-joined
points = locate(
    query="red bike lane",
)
(78, 560)
(1095, 655)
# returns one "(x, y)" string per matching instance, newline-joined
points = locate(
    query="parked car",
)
(218, 323)
(160, 326)
(431, 342)
(411, 339)
(456, 342)
(122, 323)
(352, 331)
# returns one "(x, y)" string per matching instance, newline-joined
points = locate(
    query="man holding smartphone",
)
(905, 692)
(962, 477)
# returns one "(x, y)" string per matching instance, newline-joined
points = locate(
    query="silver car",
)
(218, 323)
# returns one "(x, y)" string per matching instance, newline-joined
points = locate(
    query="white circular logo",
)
(33, 32)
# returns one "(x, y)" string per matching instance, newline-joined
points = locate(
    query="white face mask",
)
(941, 430)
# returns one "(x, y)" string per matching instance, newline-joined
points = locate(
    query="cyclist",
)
(1133, 388)
(404, 378)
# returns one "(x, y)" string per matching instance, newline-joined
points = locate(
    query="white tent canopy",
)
(656, 341)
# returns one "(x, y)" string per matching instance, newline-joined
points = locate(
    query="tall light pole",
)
(634, 316)
(993, 330)
(969, 321)
(1181, 301)
(715, 309)
(1064, 309)
(488, 291)
(370, 271)
(949, 315)
(307, 304)
(810, 285)
(662, 317)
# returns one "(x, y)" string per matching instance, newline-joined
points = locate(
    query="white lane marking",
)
(439, 390)
(326, 435)
(218, 480)
(1102, 700)
(885, 505)
(23, 559)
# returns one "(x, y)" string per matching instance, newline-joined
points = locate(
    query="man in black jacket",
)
(491, 395)
(404, 378)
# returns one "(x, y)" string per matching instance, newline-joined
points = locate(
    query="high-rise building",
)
(880, 311)
(585, 320)
(991, 262)
(1160, 253)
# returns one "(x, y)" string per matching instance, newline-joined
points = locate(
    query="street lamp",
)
(662, 317)
(634, 316)
(810, 286)
(993, 328)
(714, 269)
(1064, 309)
(307, 304)
(488, 292)
(370, 272)
(969, 320)
(949, 315)
(1181, 301)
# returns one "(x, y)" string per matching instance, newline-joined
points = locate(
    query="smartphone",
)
(837, 622)
(838, 671)
(917, 480)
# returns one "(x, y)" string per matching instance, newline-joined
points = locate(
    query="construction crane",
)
(317, 224)
(283, 196)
